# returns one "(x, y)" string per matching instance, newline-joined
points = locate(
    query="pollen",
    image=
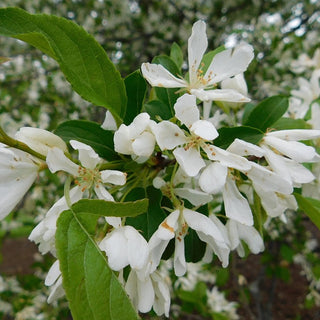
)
(166, 226)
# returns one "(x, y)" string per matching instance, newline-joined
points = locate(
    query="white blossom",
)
(224, 65)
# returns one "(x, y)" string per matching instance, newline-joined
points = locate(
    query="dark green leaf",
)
(92, 289)
(307, 205)
(228, 135)
(158, 109)
(149, 222)
(91, 134)
(136, 88)
(288, 124)
(267, 112)
(111, 208)
(176, 55)
(81, 58)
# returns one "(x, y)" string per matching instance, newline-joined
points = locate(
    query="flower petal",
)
(213, 178)
(228, 95)
(168, 135)
(87, 156)
(229, 63)
(236, 206)
(204, 129)
(56, 160)
(197, 45)
(244, 148)
(113, 176)
(190, 160)
(158, 76)
(144, 144)
(186, 109)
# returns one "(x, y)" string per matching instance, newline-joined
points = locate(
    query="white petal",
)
(251, 237)
(109, 122)
(236, 206)
(179, 260)
(144, 144)
(186, 109)
(237, 83)
(122, 140)
(229, 63)
(161, 304)
(295, 150)
(204, 129)
(114, 221)
(227, 158)
(53, 274)
(244, 148)
(116, 249)
(197, 45)
(146, 295)
(40, 140)
(102, 193)
(190, 160)
(269, 180)
(113, 176)
(56, 161)
(202, 223)
(56, 291)
(213, 177)
(195, 197)
(137, 248)
(295, 135)
(158, 76)
(168, 135)
(87, 156)
(227, 95)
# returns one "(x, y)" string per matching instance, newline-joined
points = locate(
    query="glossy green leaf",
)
(148, 222)
(267, 112)
(310, 207)
(81, 58)
(158, 109)
(167, 95)
(92, 288)
(288, 124)
(136, 88)
(91, 134)
(176, 55)
(228, 135)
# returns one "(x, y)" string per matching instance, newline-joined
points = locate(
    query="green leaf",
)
(81, 58)
(91, 134)
(288, 124)
(136, 88)
(267, 112)
(92, 289)
(167, 95)
(176, 55)
(307, 205)
(228, 135)
(158, 109)
(148, 222)
(111, 208)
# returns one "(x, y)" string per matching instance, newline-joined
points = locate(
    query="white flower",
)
(135, 139)
(109, 122)
(44, 233)
(224, 65)
(87, 175)
(147, 291)
(238, 231)
(40, 140)
(307, 92)
(176, 226)
(54, 280)
(18, 171)
(170, 136)
(124, 246)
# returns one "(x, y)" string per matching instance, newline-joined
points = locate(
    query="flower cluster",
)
(216, 187)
